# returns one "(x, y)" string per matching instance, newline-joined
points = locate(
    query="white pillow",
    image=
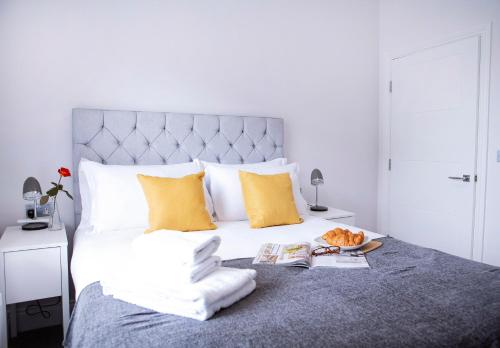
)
(113, 199)
(227, 196)
(274, 162)
(84, 195)
(204, 165)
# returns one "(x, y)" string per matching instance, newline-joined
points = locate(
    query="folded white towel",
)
(175, 248)
(181, 308)
(199, 301)
(162, 274)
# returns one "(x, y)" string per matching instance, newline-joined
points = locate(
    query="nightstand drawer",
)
(32, 274)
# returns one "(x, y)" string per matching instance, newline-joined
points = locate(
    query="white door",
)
(434, 108)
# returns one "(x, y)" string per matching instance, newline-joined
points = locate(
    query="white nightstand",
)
(337, 215)
(33, 265)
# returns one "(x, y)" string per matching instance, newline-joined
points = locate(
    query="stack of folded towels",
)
(177, 273)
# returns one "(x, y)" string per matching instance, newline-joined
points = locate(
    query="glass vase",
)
(55, 223)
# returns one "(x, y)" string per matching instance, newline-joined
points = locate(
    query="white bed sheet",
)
(95, 254)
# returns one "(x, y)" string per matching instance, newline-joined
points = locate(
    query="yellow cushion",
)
(176, 203)
(269, 199)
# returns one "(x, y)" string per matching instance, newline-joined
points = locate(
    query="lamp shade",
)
(316, 177)
(31, 189)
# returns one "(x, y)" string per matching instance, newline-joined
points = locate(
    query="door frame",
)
(386, 58)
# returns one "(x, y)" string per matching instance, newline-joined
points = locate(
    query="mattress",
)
(95, 254)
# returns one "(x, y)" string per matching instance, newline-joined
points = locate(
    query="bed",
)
(410, 296)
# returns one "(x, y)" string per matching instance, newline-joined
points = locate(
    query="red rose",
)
(64, 172)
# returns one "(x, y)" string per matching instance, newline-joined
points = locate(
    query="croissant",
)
(341, 237)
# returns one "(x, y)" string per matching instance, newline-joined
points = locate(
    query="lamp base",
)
(34, 226)
(318, 208)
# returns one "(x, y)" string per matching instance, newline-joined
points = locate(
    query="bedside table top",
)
(331, 213)
(14, 239)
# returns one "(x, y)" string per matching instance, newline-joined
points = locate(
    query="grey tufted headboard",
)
(139, 137)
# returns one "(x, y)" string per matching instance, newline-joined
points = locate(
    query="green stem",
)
(55, 196)
(57, 192)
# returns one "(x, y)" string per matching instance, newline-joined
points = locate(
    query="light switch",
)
(498, 155)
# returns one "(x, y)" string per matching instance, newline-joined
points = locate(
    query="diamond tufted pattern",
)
(137, 137)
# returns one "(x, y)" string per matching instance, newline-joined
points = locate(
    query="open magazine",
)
(301, 255)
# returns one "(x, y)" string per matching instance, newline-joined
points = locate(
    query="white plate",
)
(323, 242)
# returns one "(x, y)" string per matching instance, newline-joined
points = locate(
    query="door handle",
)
(465, 178)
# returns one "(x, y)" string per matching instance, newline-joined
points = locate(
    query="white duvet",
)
(94, 254)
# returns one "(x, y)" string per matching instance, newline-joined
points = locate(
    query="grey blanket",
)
(411, 296)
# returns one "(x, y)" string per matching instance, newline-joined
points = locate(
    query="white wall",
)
(315, 63)
(407, 23)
